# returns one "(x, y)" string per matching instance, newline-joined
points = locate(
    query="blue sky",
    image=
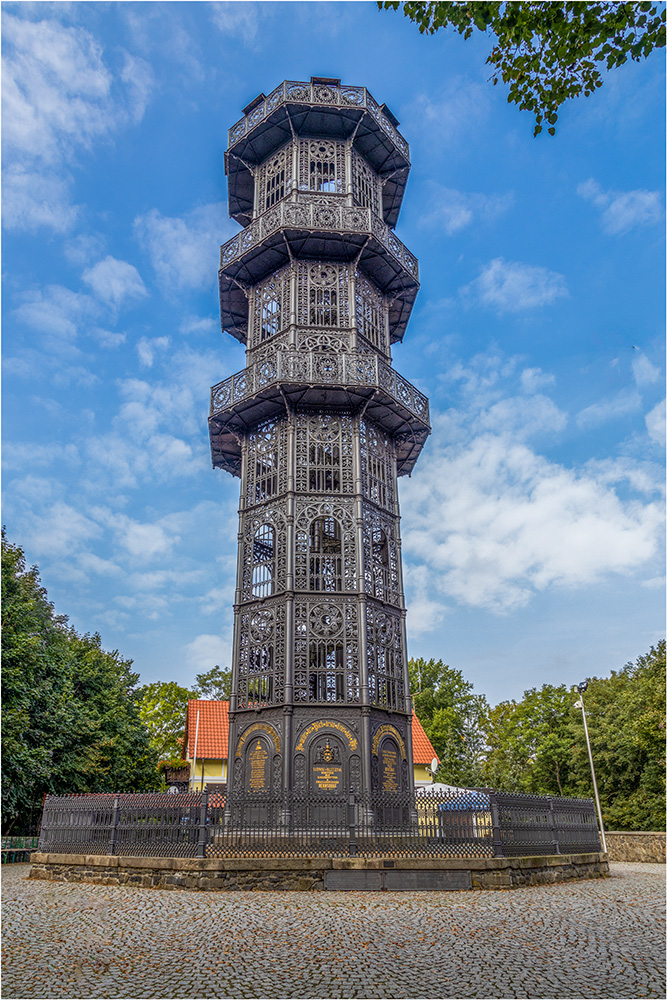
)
(533, 523)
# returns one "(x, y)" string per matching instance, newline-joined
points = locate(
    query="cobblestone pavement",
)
(600, 939)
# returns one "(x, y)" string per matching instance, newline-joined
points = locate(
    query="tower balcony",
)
(319, 108)
(309, 229)
(322, 381)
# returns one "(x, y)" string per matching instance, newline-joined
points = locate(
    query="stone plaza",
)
(601, 939)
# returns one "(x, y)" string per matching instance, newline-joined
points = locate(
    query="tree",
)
(69, 722)
(451, 715)
(214, 685)
(162, 706)
(548, 52)
(626, 722)
(530, 742)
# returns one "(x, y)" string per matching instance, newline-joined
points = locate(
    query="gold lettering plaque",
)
(389, 771)
(257, 778)
(328, 777)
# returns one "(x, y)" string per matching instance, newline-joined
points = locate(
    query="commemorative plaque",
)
(258, 772)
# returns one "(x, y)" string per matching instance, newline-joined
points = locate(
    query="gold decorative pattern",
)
(257, 727)
(315, 727)
(388, 731)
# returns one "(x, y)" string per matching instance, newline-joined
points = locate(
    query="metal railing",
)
(319, 368)
(314, 93)
(464, 823)
(313, 215)
(16, 849)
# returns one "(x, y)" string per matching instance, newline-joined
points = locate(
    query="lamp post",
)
(580, 704)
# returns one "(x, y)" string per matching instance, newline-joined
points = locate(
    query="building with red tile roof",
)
(206, 745)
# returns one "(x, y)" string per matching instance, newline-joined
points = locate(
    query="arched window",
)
(263, 561)
(325, 555)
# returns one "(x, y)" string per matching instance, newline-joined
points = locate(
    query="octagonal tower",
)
(318, 426)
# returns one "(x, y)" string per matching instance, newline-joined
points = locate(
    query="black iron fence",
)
(462, 823)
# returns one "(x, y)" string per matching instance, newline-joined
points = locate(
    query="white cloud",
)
(460, 108)
(146, 349)
(184, 252)
(115, 281)
(59, 99)
(56, 312)
(453, 210)
(533, 379)
(624, 402)
(31, 200)
(238, 20)
(205, 651)
(59, 531)
(643, 371)
(510, 286)
(622, 210)
(489, 522)
(199, 324)
(655, 423)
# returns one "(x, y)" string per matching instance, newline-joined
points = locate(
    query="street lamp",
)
(580, 704)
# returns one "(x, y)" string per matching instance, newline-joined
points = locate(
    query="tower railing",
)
(354, 368)
(300, 92)
(327, 217)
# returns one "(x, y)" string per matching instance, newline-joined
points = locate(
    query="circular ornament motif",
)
(326, 620)
(261, 625)
(324, 428)
(323, 275)
(384, 627)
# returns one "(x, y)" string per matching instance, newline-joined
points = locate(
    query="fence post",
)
(114, 826)
(495, 826)
(201, 843)
(352, 823)
(552, 825)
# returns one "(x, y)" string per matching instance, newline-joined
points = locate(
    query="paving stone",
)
(594, 939)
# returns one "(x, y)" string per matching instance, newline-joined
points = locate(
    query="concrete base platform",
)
(305, 874)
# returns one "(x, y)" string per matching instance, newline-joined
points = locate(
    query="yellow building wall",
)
(421, 774)
(213, 769)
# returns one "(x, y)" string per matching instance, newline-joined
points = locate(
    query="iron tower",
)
(318, 426)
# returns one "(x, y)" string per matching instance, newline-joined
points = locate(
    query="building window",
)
(271, 307)
(325, 555)
(380, 553)
(364, 184)
(323, 295)
(263, 463)
(326, 676)
(275, 179)
(263, 561)
(370, 313)
(324, 471)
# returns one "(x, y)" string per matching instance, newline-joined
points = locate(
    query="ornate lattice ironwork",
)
(324, 456)
(261, 661)
(270, 307)
(315, 418)
(386, 673)
(457, 824)
(326, 651)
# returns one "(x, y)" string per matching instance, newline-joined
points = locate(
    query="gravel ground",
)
(600, 939)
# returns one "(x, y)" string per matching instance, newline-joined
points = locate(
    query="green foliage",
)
(529, 742)
(69, 721)
(626, 724)
(538, 744)
(214, 685)
(451, 715)
(162, 706)
(548, 52)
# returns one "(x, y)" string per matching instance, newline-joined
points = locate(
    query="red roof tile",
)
(212, 741)
(213, 736)
(422, 748)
